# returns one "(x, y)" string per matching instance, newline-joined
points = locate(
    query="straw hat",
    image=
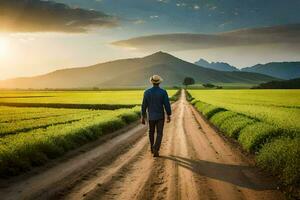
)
(155, 79)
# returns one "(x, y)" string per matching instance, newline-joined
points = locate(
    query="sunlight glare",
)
(3, 46)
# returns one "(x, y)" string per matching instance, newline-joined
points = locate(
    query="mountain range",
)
(221, 66)
(281, 70)
(134, 72)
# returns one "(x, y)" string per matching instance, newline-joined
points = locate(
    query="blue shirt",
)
(156, 100)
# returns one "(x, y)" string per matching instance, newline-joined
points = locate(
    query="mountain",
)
(221, 66)
(286, 84)
(282, 70)
(134, 72)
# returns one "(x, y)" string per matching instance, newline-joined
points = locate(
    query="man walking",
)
(155, 101)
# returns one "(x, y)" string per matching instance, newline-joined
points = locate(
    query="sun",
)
(4, 44)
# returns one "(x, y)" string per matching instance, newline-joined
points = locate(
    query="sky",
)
(37, 36)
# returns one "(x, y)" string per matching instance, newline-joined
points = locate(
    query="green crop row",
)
(20, 152)
(27, 125)
(279, 107)
(277, 149)
(175, 96)
(16, 114)
(69, 105)
(281, 156)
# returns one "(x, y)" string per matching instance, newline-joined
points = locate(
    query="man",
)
(155, 101)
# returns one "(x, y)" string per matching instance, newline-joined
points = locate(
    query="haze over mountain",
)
(282, 70)
(221, 66)
(133, 72)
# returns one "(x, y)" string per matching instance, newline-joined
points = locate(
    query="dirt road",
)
(195, 163)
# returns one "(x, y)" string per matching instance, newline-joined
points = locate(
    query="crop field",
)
(130, 97)
(279, 107)
(265, 122)
(30, 139)
(31, 135)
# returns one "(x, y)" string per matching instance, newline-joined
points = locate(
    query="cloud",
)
(139, 21)
(288, 34)
(154, 16)
(180, 4)
(225, 23)
(163, 1)
(196, 7)
(49, 16)
(213, 8)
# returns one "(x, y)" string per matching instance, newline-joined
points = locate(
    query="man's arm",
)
(167, 106)
(144, 109)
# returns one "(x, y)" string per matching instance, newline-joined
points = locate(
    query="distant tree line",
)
(209, 85)
(191, 81)
(287, 84)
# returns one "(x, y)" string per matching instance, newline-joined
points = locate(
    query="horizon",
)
(241, 33)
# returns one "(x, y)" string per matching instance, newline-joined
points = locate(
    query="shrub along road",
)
(195, 163)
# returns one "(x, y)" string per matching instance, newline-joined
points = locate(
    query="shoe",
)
(152, 150)
(155, 154)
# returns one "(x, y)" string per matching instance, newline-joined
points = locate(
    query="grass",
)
(21, 151)
(281, 157)
(13, 114)
(265, 122)
(232, 126)
(175, 96)
(32, 122)
(207, 109)
(280, 107)
(254, 136)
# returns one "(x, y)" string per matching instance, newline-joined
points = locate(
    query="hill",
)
(221, 66)
(133, 72)
(282, 70)
(289, 84)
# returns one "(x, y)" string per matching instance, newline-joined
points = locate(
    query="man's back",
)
(156, 100)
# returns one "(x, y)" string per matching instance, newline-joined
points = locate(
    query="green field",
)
(265, 122)
(32, 142)
(31, 135)
(279, 107)
(75, 97)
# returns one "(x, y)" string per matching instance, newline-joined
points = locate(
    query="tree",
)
(188, 81)
(208, 85)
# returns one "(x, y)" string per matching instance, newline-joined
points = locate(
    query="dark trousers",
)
(159, 126)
